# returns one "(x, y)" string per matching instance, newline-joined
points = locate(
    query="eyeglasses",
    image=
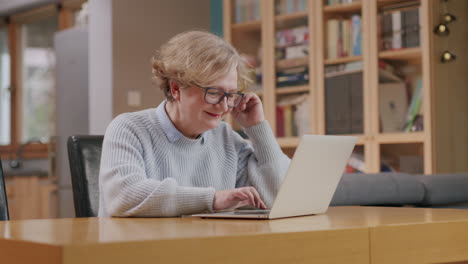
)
(215, 96)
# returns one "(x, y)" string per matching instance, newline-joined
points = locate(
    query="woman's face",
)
(199, 115)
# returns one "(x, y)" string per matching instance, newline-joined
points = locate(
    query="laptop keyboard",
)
(251, 212)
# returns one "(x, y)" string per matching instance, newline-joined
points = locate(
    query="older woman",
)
(181, 158)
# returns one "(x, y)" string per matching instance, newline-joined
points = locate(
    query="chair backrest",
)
(84, 154)
(3, 197)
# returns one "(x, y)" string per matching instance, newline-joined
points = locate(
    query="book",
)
(292, 36)
(400, 26)
(246, 10)
(356, 93)
(289, 6)
(301, 115)
(411, 27)
(332, 38)
(397, 38)
(298, 51)
(356, 162)
(392, 106)
(338, 105)
(356, 35)
(279, 121)
(346, 38)
(288, 120)
(292, 115)
(387, 31)
(344, 104)
(414, 108)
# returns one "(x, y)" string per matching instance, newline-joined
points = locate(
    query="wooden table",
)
(342, 235)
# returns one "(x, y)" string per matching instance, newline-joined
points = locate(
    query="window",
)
(5, 113)
(27, 76)
(38, 80)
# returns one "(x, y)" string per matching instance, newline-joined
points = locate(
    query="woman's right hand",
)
(231, 199)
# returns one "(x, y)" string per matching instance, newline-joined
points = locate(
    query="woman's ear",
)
(175, 90)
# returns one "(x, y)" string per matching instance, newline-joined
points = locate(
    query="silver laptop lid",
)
(313, 175)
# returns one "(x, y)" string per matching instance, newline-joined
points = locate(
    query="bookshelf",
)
(432, 148)
(403, 54)
(293, 89)
(247, 26)
(343, 60)
(343, 8)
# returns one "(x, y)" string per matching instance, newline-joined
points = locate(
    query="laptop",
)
(310, 182)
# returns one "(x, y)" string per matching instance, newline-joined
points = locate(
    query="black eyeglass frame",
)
(225, 94)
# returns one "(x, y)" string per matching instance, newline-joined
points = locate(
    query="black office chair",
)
(4, 216)
(84, 154)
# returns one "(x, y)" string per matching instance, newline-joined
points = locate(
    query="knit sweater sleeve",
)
(261, 164)
(126, 189)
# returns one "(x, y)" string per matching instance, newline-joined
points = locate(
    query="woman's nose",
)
(223, 104)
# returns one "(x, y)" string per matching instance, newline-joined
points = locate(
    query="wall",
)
(451, 93)
(216, 17)
(100, 65)
(139, 29)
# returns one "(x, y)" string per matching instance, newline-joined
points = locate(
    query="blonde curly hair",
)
(197, 58)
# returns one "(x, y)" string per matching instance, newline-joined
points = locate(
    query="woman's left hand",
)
(249, 112)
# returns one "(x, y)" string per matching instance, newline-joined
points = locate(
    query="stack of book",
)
(246, 10)
(292, 77)
(344, 37)
(289, 6)
(292, 115)
(399, 26)
(292, 43)
(292, 49)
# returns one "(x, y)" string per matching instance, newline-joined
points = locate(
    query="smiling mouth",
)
(213, 115)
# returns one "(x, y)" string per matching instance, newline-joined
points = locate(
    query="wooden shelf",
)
(403, 54)
(383, 3)
(333, 74)
(247, 26)
(284, 18)
(342, 60)
(399, 138)
(292, 89)
(291, 45)
(343, 8)
(289, 63)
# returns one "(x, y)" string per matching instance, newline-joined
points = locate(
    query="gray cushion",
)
(378, 189)
(442, 189)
